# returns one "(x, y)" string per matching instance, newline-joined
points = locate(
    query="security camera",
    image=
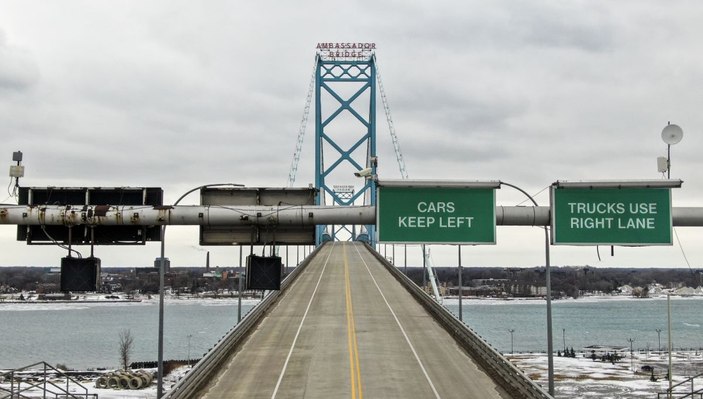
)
(363, 172)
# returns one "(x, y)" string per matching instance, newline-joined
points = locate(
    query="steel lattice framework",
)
(345, 137)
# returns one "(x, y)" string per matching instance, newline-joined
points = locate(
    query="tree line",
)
(569, 281)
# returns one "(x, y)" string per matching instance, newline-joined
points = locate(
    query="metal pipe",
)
(217, 215)
(522, 215)
(205, 215)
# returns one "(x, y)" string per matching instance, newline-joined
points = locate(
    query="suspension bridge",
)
(345, 322)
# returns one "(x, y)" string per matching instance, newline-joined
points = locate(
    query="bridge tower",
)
(345, 133)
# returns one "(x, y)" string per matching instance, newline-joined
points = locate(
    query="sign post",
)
(436, 212)
(612, 213)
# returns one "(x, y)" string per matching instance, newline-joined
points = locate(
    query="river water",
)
(578, 323)
(86, 335)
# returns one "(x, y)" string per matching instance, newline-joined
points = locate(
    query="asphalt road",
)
(347, 329)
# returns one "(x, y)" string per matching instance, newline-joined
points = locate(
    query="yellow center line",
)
(354, 367)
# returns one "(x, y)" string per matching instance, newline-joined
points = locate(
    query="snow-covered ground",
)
(582, 377)
(145, 393)
(117, 297)
(578, 377)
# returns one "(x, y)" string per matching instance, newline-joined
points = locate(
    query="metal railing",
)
(496, 365)
(200, 374)
(24, 383)
(684, 392)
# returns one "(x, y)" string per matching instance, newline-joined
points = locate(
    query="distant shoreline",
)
(99, 299)
(45, 301)
(453, 298)
(581, 298)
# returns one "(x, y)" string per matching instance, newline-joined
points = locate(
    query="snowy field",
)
(577, 377)
(89, 384)
(582, 377)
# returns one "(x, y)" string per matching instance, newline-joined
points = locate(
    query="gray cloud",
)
(178, 94)
(18, 70)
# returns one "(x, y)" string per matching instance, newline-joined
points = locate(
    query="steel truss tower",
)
(345, 139)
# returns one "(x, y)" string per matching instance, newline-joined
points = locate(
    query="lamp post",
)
(668, 319)
(405, 259)
(424, 267)
(189, 337)
(548, 284)
(239, 287)
(461, 292)
(563, 337)
(160, 362)
(659, 337)
(511, 331)
(632, 360)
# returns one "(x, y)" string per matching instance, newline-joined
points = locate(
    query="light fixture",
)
(619, 184)
(440, 183)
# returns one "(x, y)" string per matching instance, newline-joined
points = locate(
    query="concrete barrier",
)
(496, 365)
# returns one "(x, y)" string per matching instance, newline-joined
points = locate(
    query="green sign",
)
(611, 216)
(439, 215)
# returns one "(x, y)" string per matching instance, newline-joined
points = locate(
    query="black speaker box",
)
(264, 272)
(80, 274)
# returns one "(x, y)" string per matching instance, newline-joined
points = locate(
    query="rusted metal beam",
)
(217, 215)
(204, 215)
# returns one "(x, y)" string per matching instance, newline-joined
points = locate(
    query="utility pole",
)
(563, 337)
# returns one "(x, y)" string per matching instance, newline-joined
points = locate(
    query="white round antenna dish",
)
(672, 134)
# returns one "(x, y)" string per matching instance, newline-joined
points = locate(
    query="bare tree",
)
(126, 342)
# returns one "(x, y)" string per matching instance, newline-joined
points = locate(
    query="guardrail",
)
(198, 376)
(501, 369)
(683, 391)
(23, 384)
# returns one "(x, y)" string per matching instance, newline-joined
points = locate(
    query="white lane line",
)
(402, 330)
(300, 327)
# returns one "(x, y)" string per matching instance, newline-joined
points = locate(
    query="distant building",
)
(602, 350)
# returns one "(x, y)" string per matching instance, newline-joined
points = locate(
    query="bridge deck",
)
(346, 328)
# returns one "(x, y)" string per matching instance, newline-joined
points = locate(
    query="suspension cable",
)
(303, 125)
(391, 127)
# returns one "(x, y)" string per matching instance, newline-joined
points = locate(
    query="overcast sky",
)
(177, 94)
